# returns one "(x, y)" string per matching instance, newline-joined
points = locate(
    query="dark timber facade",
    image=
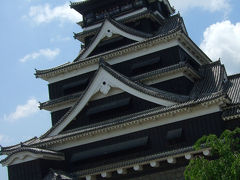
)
(132, 103)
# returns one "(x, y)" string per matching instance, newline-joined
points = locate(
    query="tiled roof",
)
(211, 82)
(170, 25)
(151, 74)
(143, 88)
(76, 64)
(145, 14)
(121, 27)
(139, 87)
(94, 128)
(233, 88)
(61, 69)
(22, 144)
(52, 72)
(32, 150)
(141, 160)
(209, 88)
(64, 99)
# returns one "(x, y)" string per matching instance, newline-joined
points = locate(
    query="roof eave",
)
(178, 35)
(49, 73)
(217, 99)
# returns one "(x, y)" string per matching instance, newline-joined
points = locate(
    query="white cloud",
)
(46, 53)
(209, 5)
(60, 39)
(45, 14)
(23, 111)
(222, 40)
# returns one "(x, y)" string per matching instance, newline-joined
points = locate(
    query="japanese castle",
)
(132, 103)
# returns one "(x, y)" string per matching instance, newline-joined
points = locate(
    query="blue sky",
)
(39, 34)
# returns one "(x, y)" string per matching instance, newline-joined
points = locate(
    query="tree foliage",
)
(225, 161)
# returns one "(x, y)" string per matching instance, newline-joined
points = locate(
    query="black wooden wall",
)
(33, 170)
(158, 141)
(180, 85)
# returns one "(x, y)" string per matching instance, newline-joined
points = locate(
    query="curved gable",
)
(105, 79)
(108, 28)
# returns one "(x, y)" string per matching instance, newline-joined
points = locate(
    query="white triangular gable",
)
(107, 30)
(103, 82)
(25, 156)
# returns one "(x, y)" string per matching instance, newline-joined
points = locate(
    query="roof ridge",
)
(234, 76)
(20, 144)
(60, 99)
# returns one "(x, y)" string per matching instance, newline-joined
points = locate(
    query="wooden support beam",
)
(154, 164)
(138, 167)
(171, 160)
(122, 171)
(106, 174)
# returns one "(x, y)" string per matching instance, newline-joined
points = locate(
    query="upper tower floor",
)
(94, 11)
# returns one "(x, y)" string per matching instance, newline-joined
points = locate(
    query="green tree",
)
(224, 163)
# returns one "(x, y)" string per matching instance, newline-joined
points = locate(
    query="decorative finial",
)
(74, 35)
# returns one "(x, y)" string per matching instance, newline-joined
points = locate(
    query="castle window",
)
(141, 67)
(89, 18)
(100, 15)
(109, 106)
(175, 136)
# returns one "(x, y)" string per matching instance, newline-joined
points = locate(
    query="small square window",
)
(175, 136)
